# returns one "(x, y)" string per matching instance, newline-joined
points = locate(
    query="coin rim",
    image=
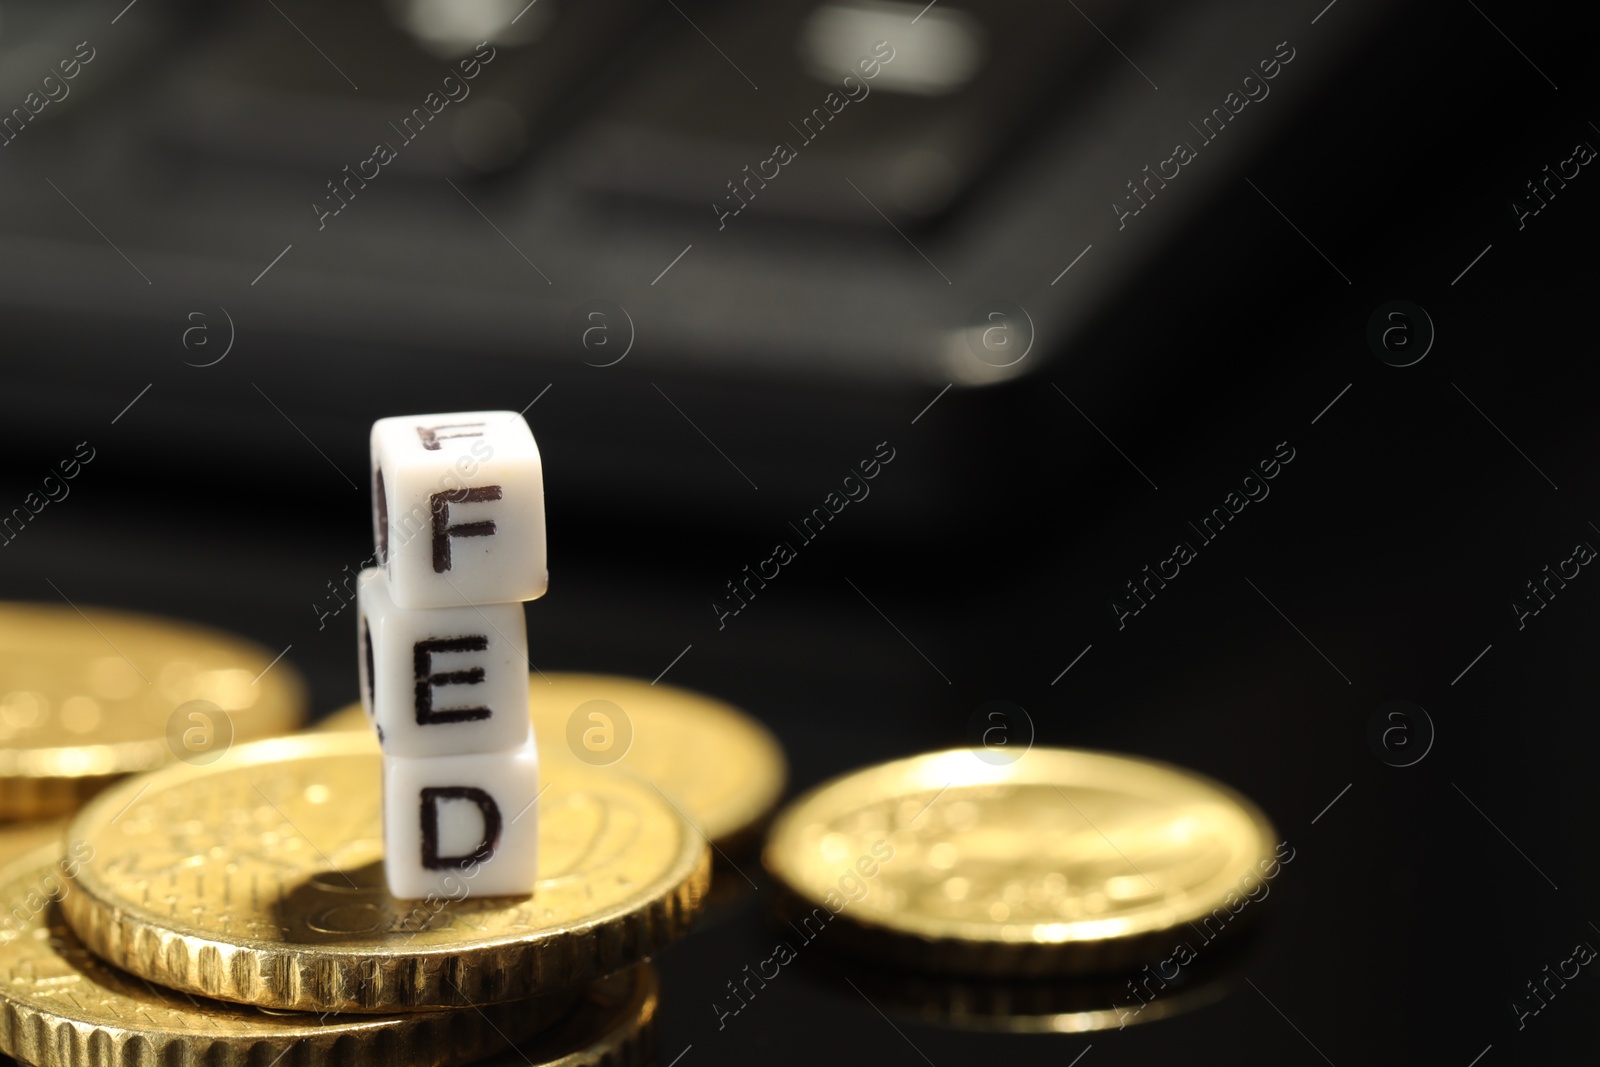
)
(315, 978)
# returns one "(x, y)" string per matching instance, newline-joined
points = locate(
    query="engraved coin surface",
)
(724, 769)
(259, 879)
(88, 696)
(62, 1005)
(1052, 864)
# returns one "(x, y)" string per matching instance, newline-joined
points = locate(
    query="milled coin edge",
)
(38, 1035)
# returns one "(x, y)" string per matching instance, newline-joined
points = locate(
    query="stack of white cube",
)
(458, 518)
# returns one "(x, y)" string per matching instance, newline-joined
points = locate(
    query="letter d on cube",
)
(453, 820)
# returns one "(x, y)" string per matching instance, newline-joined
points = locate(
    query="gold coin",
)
(63, 1006)
(88, 696)
(613, 1025)
(1060, 862)
(259, 879)
(22, 838)
(725, 769)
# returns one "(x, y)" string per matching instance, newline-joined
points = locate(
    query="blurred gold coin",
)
(259, 879)
(613, 1025)
(1062, 861)
(725, 769)
(63, 1006)
(86, 696)
(21, 838)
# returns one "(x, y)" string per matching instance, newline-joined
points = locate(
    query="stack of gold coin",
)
(1057, 863)
(64, 1005)
(230, 908)
(236, 912)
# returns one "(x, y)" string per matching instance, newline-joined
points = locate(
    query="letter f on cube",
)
(458, 512)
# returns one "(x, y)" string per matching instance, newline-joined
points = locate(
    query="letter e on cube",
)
(441, 682)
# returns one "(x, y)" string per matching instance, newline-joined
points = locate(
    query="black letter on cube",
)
(443, 531)
(430, 827)
(422, 662)
(431, 436)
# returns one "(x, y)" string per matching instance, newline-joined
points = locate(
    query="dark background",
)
(1385, 559)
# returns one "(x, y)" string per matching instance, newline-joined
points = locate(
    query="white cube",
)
(461, 826)
(458, 509)
(441, 682)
